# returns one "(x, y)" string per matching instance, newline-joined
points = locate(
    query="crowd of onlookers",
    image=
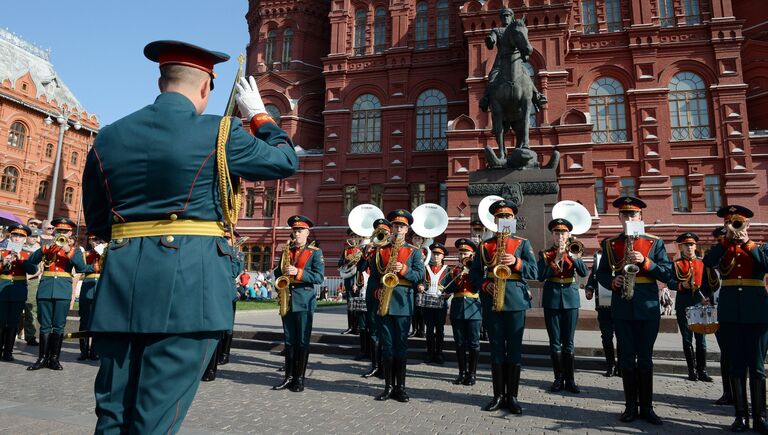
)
(254, 287)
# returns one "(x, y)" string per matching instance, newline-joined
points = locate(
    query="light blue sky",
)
(96, 45)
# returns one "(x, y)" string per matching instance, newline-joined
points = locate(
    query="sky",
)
(97, 45)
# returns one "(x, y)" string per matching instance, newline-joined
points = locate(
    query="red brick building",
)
(665, 99)
(31, 92)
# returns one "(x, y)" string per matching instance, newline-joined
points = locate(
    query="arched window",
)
(361, 21)
(73, 159)
(269, 49)
(42, 190)
(608, 112)
(380, 30)
(273, 113)
(533, 122)
(366, 125)
(421, 25)
(69, 195)
(49, 150)
(287, 47)
(17, 135)
(431, 120)
(692, 12)
(442, 23)
(10, 179)
(688, 108)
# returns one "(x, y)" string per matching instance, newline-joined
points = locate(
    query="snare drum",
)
(425, 300)
(702, 319)
(358, 304)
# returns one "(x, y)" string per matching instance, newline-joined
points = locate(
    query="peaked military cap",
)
(465, 245)
(719, 232)
(299, 221)
(63, 224)
(477, 223)
(182, 53)
(560, 224)
(503, 206)
(438, 247)
(382, 223)
(687, 238)
(400, 215)
(19, 229)
(730, 210)
(628, 204)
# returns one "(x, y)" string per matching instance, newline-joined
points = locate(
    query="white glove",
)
(248, 98)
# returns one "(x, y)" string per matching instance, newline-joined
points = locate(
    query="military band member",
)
(741, 311)
(636, 319)
(434, 318)
(466, 314)
(690, 281)
(150, 187)
(305, 270)
(347, 256)
(418, 322)
(505, 327)
(477, 229)
(604, 320)
(94, 250)
(557, 268)
(13, 288)
(713, 278)
(373, 320)
(55, 291)
(404, 261)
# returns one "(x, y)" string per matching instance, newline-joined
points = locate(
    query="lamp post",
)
(63, 120)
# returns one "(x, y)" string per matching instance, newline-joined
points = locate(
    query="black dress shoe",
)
(650, 416)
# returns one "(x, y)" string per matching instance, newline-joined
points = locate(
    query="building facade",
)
(664, 99)
(34, 105)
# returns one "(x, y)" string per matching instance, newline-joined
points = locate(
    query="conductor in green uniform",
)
(636, 314)
(150, 187)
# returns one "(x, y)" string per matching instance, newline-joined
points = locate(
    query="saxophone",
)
(501, 272)
(630, 270)
(283, 283)
(389, 280)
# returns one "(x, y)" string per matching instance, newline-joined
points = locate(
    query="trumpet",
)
(736, 226)
(574, 247)
(61, 241)
(380, 236)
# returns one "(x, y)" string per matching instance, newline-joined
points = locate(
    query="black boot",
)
(439, 359)
(461, 359)
(430, 350)
(741, 422)
(289, 363)
(55, 352)
(7, 340)
(701, 366)
(300, 369)
(380, 373)
(497, 376)
(617, 367)
(645, 391)
(471, 377)
(557, 368)
(399, 392)
(364, 346)
(92, 355)
(83, 349)
(689, 361)
(3, 331)
(569, 372)
(375, 367)
(226, 345)
(629, 379)
(349, 323)
(355, 323)
(42, 358)
(610, 360)
(210, 371)
(726, 398)
(387, 367)
(512, 378)
(420, 325)
(483, 334)
(757, 394)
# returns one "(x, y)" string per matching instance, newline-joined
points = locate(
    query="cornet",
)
(736, 226)
(574, 247)
(61, 241)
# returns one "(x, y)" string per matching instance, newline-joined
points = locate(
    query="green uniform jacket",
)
(644, 305)
(560, 295)
(516, 297)
(740, 303)
(686, 298)
(156, 164)
(464, 308)
(402, 296)
(303, 295)
(59, 287)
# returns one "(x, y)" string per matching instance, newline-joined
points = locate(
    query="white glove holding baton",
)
(248, 98)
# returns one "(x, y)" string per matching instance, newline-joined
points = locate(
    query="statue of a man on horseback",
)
(510, 94)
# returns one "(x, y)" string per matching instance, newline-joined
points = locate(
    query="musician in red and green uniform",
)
(408, 267)
(505, 327)
(305, 270)
(742, 312)
(691, 280)
(466, 314)
(87, 294)
(434, 318)
(636, 320)
(55, 292)
(557, 269)
(370, 321)
(713, 278)
(13, 289)
(477, 229)
(349, 284)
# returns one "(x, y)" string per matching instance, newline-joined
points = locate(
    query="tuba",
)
(360, 221)
(283, 283)
(429, 221)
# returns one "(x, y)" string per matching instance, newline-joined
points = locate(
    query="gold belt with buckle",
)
(165, 227)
